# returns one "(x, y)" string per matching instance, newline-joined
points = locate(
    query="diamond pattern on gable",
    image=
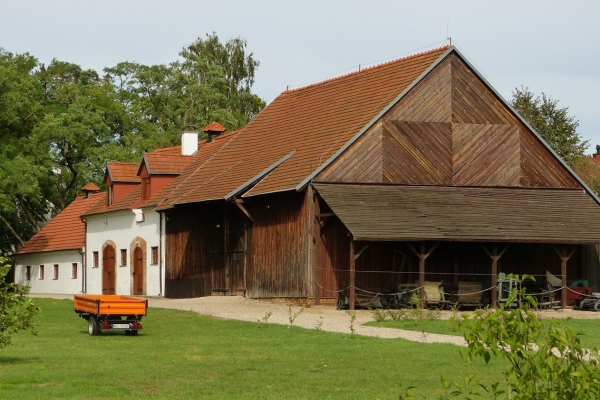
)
(429, 100)
(539, 167)
(472, 101)
(359, 163)
(485, 155)
(417, 152)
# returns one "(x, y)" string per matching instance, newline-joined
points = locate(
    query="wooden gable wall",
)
(450, 129)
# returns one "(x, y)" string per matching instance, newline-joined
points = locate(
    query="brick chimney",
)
(213, 130)
(596, 156)
(189, 142)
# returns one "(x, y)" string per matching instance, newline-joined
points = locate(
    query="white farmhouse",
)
(124, 235)
(52, 261)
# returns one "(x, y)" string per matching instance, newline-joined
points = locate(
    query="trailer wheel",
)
(597, 306)
(131, 332)
(93, 328)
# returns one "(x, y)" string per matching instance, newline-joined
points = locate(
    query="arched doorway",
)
(138, 271)
(109, 277)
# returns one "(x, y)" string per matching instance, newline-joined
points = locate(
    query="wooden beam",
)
(241, 207)
(495, 256)
(324, 215)
(361, 251)
(564, 257)
(352, 293)
(422, 255)
(316, 239)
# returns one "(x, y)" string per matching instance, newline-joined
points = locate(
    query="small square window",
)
(41, 272)
(74, 271)
(28, 272)
(123, 257)
(95, 265)
(155, 255)
(55, 275)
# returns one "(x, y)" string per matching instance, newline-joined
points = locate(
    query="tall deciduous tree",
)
(60, 123)
(553, 123)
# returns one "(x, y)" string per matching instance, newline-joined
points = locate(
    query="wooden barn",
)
(409, 172)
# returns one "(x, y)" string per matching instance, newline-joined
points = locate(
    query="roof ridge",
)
(368, 69)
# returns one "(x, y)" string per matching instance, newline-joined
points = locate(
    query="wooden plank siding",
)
(194, 257)
(278, 263)
(450, 129)
(363, 164)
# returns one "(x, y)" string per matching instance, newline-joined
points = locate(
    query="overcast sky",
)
(548, 46)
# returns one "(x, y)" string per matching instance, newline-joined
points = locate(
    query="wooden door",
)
(138, 271)
(108, 271)
(237, 259)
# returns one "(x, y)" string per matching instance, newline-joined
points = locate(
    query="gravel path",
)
(327, 318)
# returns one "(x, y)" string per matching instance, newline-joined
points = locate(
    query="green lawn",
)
(183, 355)
(588, 328)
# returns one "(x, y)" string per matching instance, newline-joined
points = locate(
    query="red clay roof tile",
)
(206, 152)
(90, 187)
(66, 231)
(165, 163)
(214, 127)
(130, 201)
(122, 172)
(315, 121)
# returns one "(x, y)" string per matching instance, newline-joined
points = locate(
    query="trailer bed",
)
(111, 312)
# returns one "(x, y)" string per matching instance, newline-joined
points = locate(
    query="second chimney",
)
(213, 130)
(189, 143)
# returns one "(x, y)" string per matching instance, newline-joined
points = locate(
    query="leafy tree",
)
(552, 122)
(212, 82)
(60, 123)
(24, 169)
(17, 311)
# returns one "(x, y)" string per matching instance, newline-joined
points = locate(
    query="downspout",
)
(82, 251)
(160, 253)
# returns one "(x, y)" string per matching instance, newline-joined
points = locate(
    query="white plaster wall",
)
(65, 284)
(122, 228)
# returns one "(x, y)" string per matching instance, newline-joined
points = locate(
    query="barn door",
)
(138, 271)
(237, 259)
(108, 270)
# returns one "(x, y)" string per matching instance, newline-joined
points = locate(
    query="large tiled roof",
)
(313, 122)
(66, 231)
(122, 171)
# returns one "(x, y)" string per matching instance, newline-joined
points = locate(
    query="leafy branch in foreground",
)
(546, 359)
(16, 308)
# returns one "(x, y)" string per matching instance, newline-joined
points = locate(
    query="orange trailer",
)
(111, 312)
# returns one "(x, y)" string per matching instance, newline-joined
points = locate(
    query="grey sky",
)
(549, 46)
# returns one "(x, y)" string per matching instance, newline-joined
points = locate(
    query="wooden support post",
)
(564, 257)
(315, 239)
(422, 275)
(563, 272)
(352, 274)
(422, 257)
(495, 257)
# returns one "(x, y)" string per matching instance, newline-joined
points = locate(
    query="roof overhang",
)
(461, 213)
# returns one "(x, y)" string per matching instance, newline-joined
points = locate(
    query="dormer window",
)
(110, 195)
